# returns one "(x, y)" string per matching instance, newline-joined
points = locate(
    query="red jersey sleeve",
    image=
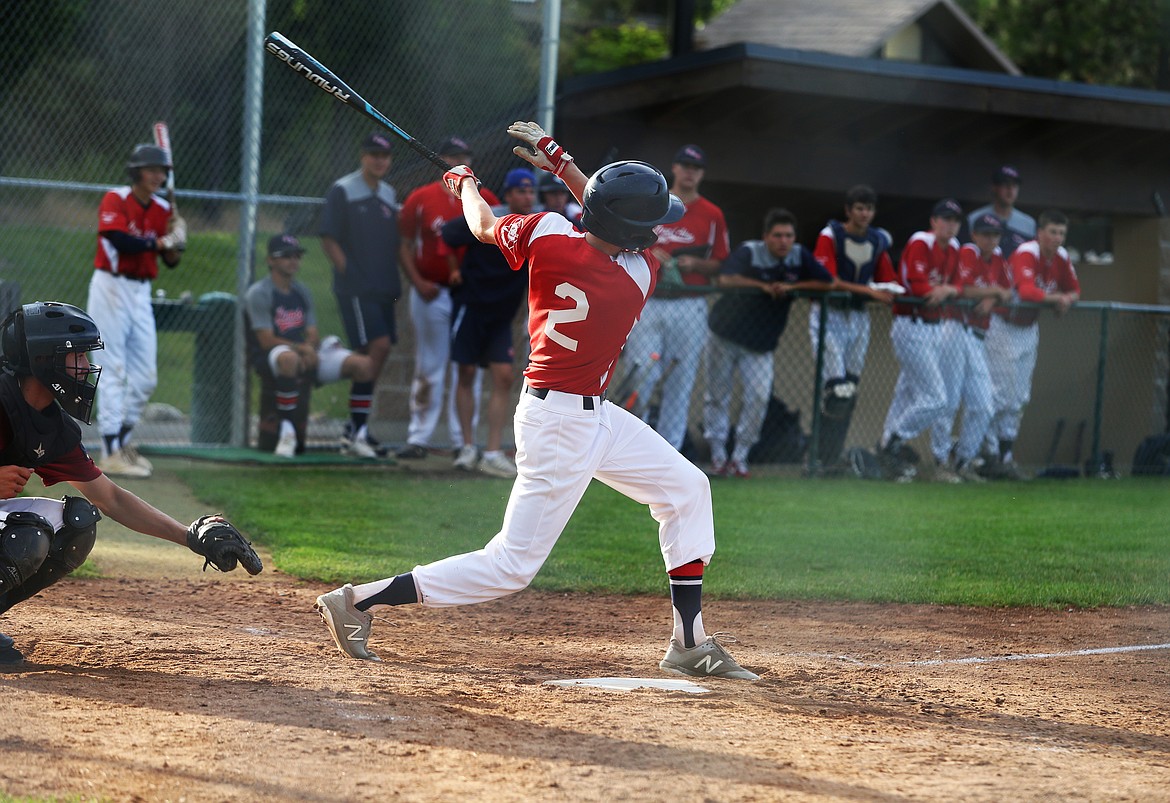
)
(884, 272)
(112, 214)
(826, 251)
(916, 267)
(76, 466)
(1024, 276)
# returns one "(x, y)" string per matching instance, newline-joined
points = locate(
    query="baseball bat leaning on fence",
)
(323, 78)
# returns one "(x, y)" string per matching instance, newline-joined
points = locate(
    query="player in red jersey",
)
(1041, 273)
(981, 276)
(135, 228)
(424, 260)
(667, 345)
(920, 396)
(586, 290)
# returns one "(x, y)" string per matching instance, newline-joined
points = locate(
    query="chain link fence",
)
(91, 80)
(1098, 391)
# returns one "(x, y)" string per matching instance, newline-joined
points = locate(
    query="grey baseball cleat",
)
(708, 659)
(10, 657)
(349, 626)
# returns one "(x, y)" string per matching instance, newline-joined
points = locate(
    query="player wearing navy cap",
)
(426, 261)
(1018, 227)
(586, 289)
(359, 234)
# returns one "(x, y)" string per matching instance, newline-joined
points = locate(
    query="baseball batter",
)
(586, 290)
(135, 227)
(1041, 273)
(920, 396)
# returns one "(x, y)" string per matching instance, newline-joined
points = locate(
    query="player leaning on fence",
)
(586, 290)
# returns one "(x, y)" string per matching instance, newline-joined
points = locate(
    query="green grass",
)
(1077, 543)
(54, 264)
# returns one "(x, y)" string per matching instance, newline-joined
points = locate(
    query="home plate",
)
(626, 684)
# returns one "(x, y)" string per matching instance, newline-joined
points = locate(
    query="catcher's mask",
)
(624, 201)
(37, 340)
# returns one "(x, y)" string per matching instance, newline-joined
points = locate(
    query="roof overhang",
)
(771, 116)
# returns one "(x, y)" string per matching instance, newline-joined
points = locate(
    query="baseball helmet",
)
(548, 183)
(147, 155)
(35, 340)
(624, 201)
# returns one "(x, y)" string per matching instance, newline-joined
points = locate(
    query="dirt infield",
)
(165, 684)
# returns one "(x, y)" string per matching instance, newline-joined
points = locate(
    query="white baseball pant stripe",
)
(919, 394)
(121, 309)
(1011, 360)
(964, 370)
(846, 340)
(676, 329)
(723, 360)
(560, 447)
(434, 374)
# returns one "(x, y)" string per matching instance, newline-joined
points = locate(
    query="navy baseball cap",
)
(987, 224)
(454, 146)
(1005, 175)
(947, 207)
(376, 143)
(519, 177)
(284, 245)
(691, 155)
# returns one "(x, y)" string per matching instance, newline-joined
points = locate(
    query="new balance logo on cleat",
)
(355, 632)
(706, 660)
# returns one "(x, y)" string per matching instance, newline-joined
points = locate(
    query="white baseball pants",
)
(560, 448)
(121, 309)
(846, 340)
(1011, 360)
(723, 361)
(920, 397)
(434, 374)
(964, 371)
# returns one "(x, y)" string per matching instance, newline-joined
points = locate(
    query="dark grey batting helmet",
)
(36, 339)
(147, 155)
(624, 201)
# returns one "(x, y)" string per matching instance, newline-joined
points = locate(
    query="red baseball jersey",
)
(423, 214)
(121, 211)
(582, 303)
(926, 263)
(1035, 277)
(701, 231)
(975, 271)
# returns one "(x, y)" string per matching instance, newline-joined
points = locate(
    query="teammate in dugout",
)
(855, 253)
(920, 396)
(981, 275)
(135, 227)
(487, 297)
(1041, 273)
(359, 234)
(283, 341)
(745, 330)
(425, 262)
(46, 377)
(673, 325)
(586, 290)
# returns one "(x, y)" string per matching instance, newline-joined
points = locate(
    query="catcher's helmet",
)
(624, 201)
(35, 340)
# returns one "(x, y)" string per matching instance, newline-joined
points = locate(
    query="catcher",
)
(46, 377)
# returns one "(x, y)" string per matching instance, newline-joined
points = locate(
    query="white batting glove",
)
(176, 239)
(540, 150)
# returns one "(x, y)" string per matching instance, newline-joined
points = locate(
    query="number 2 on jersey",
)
(558, 316)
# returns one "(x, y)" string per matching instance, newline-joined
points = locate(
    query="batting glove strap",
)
(454, 177)
(557, 156)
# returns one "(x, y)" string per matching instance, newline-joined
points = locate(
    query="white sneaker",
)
(116, 465)
(287, 445)
(358, 448)
(135, 457)
(706, 660)
(467, 458)
(497, 465)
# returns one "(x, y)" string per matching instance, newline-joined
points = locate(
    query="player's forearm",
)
(575, 180)
(334, 252)
(480, 219)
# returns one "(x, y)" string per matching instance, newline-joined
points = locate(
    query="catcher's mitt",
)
(216, 539)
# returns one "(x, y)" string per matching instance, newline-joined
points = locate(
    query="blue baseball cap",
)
(519, 177)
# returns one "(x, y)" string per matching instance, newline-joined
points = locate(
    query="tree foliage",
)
(1112, 42)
